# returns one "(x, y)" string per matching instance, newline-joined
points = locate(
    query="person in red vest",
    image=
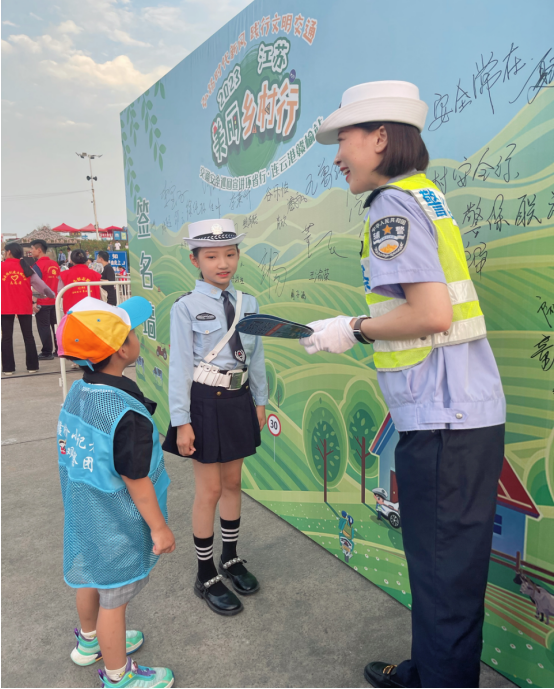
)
(18, 279)
(78, 273)
(45, 310)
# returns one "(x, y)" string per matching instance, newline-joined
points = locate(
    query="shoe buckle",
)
(389, 669)
(232, 562)
(212, 581)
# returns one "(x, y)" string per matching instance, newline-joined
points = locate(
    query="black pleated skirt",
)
(224, 422)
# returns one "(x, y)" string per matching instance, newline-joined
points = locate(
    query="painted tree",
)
(279, 396)
(363, 411)
(325, 440)
(271, 376)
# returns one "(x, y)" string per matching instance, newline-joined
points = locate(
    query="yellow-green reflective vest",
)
(468, 322)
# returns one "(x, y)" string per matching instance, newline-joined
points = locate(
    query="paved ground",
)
(315, 623)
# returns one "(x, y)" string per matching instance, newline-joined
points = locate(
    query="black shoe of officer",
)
(45, 357)
(225, 604)
(381, 675)
(244, 582)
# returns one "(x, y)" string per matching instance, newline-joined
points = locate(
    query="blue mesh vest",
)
(107, 543)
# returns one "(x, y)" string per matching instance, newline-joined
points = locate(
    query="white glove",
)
(331, 335)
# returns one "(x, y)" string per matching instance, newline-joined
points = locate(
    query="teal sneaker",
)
(140, 676)
(88, 652)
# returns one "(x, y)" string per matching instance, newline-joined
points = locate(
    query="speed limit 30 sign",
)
(274, 425)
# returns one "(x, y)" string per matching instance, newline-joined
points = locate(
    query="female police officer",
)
(437, 374)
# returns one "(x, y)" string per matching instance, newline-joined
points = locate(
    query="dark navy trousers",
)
(447, 485)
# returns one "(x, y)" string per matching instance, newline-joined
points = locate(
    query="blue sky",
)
(68, 68)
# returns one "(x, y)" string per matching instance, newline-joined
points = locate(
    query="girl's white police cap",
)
(375, 101)
(210, 233)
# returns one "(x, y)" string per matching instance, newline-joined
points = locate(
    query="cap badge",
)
(217, 229)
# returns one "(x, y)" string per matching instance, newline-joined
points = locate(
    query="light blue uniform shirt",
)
(193, 338)
(452, 380)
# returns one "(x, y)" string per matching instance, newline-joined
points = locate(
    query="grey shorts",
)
(114, 598)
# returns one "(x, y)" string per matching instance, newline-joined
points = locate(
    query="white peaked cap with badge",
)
(375, 101)
(211, 233)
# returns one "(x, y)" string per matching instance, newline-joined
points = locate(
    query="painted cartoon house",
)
(514, 504)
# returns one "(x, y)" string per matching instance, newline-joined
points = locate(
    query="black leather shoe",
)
(245, 584)
(226, 604)
(381, 675)
(45, 357)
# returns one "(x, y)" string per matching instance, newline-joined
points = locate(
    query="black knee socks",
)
(205, 554)
(230, 536)
(206, 567)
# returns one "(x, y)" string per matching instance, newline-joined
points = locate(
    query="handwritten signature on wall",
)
(542, 349)
(489, 71)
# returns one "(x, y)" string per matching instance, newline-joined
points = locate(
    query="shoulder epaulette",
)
(182, 295)
(378, 191)
(248, 294)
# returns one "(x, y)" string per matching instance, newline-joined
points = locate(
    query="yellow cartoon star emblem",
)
(387, 229)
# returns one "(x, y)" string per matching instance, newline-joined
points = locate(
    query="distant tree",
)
(325, 441)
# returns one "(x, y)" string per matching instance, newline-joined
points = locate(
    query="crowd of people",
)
(30, 285)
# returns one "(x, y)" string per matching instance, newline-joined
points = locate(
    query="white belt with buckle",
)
(206, 374)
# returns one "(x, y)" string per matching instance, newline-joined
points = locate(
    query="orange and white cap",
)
(93, 330)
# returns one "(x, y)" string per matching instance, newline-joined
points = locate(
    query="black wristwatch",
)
(358, 334)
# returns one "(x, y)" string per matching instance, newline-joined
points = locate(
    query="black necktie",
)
(234, 342)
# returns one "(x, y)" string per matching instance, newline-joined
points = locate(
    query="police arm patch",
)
(389, 236)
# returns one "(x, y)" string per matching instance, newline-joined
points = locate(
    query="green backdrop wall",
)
(230, 132)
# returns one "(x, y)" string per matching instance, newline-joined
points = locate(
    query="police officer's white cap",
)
(210, 233)
(381, 492)
(375, 101)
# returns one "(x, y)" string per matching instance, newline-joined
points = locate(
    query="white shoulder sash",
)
(219, 346)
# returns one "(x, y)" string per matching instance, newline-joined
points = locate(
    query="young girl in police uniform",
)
(217, 397)
(437, 374)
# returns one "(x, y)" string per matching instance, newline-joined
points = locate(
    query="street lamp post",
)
(92, 179)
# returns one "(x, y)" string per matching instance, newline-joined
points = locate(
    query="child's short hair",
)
(405, 150)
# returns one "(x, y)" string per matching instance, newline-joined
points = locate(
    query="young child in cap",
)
(217, 397)
(114, 487)
(437, 373)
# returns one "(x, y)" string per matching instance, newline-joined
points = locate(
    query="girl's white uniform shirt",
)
(198, 323)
